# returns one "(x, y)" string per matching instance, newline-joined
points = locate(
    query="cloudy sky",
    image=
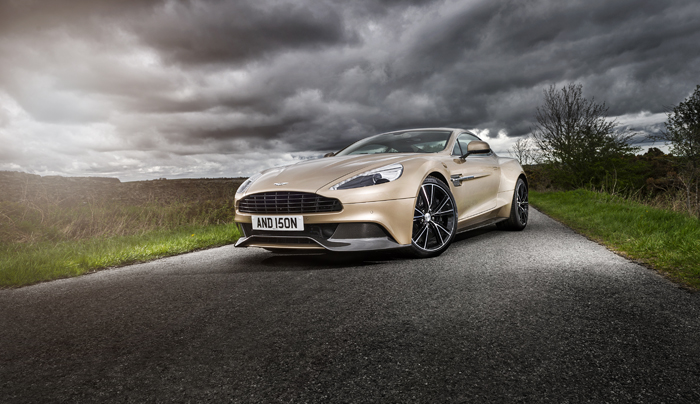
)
(141, 89)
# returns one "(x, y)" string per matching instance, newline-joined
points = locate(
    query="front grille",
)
(288, 202)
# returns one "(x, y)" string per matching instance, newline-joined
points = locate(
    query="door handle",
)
(458, 178)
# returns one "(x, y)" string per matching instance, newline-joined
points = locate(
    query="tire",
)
(434, 219)
(519, 208)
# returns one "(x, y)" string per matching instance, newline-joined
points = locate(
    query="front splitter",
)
(315, 243)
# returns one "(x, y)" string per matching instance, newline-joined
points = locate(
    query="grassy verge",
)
(24, 264)
(668, 241)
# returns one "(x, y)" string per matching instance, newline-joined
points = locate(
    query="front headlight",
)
(247, 183)
(377, 176)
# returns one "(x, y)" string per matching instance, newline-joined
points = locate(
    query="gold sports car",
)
(413, 189)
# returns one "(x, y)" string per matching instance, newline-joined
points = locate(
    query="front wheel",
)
(434, 219)
(519, 209)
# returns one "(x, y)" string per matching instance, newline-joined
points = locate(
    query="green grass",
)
(668, 241)
(24, 264)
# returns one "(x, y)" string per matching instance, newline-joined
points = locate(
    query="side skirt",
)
(479, 225)
(480, 220)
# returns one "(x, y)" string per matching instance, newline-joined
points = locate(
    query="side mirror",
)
(331, 154)
(477, 147)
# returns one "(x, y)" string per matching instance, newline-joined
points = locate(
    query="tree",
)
(523, 151)
(576, 138)
(683, 130)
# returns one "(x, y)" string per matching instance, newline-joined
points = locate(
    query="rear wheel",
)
(519, 209)
(434, 219)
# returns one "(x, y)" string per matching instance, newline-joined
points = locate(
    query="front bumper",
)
(357, 227)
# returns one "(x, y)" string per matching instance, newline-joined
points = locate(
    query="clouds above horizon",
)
(148, 89)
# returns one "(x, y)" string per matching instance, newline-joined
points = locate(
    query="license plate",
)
(288, 223)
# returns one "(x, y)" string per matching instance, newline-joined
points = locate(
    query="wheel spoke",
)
(427, 235)
(417, 239)
(447, 199)
(425, 196)
(420, 214)
(432, 196)
(443, 213)
(438, 233)
(439, 227)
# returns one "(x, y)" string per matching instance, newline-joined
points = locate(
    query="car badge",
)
(279, 184)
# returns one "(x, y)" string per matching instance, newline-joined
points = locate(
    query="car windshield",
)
(426, 141)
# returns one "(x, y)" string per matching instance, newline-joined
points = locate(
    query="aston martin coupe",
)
(412, 189)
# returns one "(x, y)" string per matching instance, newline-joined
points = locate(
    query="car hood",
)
(311, 175)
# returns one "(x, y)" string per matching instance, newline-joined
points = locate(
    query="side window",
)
(464, 139)
(457, 151)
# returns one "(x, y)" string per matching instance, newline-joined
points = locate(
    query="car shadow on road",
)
(475, 233)
(272, 262)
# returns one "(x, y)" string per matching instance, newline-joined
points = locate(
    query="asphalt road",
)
(542, 315)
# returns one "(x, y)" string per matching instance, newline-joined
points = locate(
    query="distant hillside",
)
(66, 191)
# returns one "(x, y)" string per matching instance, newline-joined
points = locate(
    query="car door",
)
(475, 179)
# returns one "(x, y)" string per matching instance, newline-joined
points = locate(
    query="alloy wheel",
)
(434, 218)
(521, 199)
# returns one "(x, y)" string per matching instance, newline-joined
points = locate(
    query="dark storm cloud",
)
(234, 32)
(494, 50)
(230, 86)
